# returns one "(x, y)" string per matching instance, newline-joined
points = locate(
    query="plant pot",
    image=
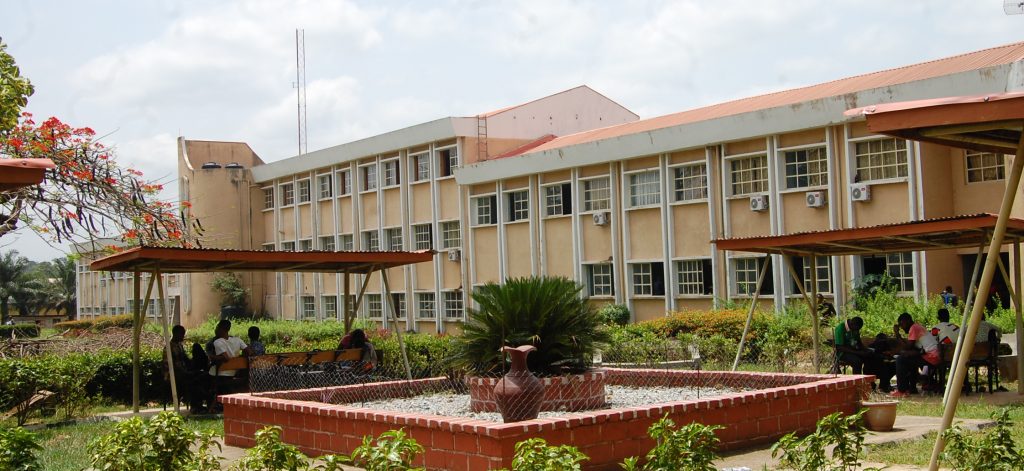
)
(519, 393)
(880, 416)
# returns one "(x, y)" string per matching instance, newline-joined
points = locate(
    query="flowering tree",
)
(87, 194)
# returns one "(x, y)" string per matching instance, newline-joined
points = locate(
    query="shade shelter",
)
(18, 173)
(987, 123)
(159, 260)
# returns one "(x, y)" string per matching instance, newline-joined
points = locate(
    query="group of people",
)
(904, 358)
(201, 378)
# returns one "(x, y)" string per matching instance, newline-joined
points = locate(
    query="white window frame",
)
(328, 243)
(329, 303)
(447, 229)
(268, 198)
(643, 180)
(688, 280)
(393, 238)
(391, 173)
(745, 277)
(426, 302)
(453, 305)
(420, 167)
(688, 184)
(325, 186)
(518, 205)
(308, 306)
(346, 242)
(397, 302)
(596, 199)
(600, 285)
(423, 236)
(447, 164)
(902, 263)
(344, 182)
(491, 208)
(371, 240)
(991, 167)
(288, 246)
(368, 178)
(824, 268)
(287, 194)
(641, 278)
(555, 199)
(813, 169)
(746, 177)
(268, 247)
(863, 162)
(305, 245)
(374, 306)
(303, 190)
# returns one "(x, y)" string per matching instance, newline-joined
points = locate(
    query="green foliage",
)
(232, 293)
(270, 454)
(545, 312)
(715, 351)
(845, 433)
(83, 324)
(67, 377)
(20, 380)
(536, 455)
(163, 443)
(1003, 318)
(14, 90)
(782, 336)
(726, 322)
(614, 314)
(18, 448)
(113, 378)
(868, 287)
(992, 450)
(881, 311)
(19, 330)
(687, 448)
(392, 450)
(123, 321)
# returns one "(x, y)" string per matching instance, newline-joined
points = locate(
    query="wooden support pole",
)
(994, 247)
(812, 304)
(1019, 318)
(394, 320)
(966, 315)
(359, 297)
(162, 305)
(136, 339)
(750, 312)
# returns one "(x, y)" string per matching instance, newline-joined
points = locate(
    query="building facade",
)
(576, 185)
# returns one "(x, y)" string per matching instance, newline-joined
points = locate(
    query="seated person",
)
(986, 329)
(920, 349)
(256, 347)
(826, 310)
(357, 339)
(944, 331)
(862, 360)
(225, 347)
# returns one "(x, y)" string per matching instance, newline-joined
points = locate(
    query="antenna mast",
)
(300, 85)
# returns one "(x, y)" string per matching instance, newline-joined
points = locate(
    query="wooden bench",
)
(244, 364)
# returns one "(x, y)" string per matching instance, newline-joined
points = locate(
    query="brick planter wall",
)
(787, 402)
(569, 392)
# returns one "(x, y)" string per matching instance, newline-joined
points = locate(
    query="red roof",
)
(179, 260)
(18, 173)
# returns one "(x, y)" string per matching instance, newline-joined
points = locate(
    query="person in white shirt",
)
(225, 348)
(985, 329)
(944, 331)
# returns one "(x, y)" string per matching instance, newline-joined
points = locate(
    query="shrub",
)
(162, 443)
(68, 376)
(715, 350)
(614, 314)
(270, 454)
(113, 378)
(782, 336)
(123, 321)
(18, 449)
(536, 455)
(20, 380)
(545, 312)
(992, 450)
(844, 433)
(687, 448)
(640, 346)
(73, 325)
(392, 450)
(725, 322)
(19, 330)
(232, 293)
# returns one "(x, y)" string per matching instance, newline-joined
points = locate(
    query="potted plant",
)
(233, 295)
(879, 412)
(547, 313)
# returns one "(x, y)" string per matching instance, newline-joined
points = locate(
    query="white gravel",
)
(451, 404)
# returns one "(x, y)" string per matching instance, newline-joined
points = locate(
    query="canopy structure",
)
(18, 173)
(160, 260)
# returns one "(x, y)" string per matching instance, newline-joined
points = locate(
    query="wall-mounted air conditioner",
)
(815, 199)
(759, 203)
(601, 219)
(860, 192)
(454, 255)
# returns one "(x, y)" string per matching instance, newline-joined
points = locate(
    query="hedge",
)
(20, 330)
(99, 323)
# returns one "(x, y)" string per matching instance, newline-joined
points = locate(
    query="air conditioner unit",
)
(454, 255)
(860, 192)
(601, 219)
(815, 199)
(759, 203)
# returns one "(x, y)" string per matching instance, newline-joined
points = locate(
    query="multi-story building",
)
(575, 185)
(103, 293)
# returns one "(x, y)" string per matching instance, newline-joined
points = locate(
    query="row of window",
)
(391, 175)
(694, 277)
(423, 239)
(426, 305)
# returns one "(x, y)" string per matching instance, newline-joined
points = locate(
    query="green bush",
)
(68, 377)
(18, 449)
(614, 314)
(843, 434)
(687, 448)
(781, 336)
(19, 330)
(162, 443)
(20, 380)
(113, 378)
(391, 451)
(714, 351)
(270, 454)
(993, 449)
(536, 455)
(725, 322)
(74, 325)
(123, 321)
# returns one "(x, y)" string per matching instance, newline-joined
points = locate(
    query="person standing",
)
(948, 298)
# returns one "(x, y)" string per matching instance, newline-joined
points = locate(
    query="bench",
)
(243, 365)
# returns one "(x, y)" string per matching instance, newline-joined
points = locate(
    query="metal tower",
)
(300, 85)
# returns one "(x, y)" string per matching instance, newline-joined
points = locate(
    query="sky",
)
(142, 73)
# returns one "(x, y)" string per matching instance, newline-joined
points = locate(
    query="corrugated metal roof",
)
(925, 70)
(181, 260)
(18, 173)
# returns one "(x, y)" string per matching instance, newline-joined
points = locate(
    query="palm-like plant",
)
(548, 313)
(62, 275)
(13, 271)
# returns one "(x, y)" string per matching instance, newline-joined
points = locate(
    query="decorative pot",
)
(519, 393)
(880, 416)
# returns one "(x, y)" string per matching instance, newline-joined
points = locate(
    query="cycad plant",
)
(548, 313)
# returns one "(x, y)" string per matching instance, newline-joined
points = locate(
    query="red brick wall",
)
(787, 403)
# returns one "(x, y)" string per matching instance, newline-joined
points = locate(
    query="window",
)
(308, 307)
(518, 205)
(558, 200)
(391, 175)
(421, 167)
(451, 236)
(648, 279)
(330, 304)
(346, 242)
(900, 267)
(323, 183)
(287, 194)
(881, 159)
(691, 182)
(806, 167)
(823, 266)
(371, 241)
(424, 236)
(484, 210)
(644, 188)
(305, 245)
(749, 175)
(393, 237)
(288, 246)
(269, 247)
(449, 160)
(268, 198)
(344, 182)
(398, 304)
(452, 305)
(985, 167)
(374, 306)
(303, 191)
(746, 270)
(596, 194)
(425, 306)
(694, 278)
(369, 177)
(600, 280)
(327, 243)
